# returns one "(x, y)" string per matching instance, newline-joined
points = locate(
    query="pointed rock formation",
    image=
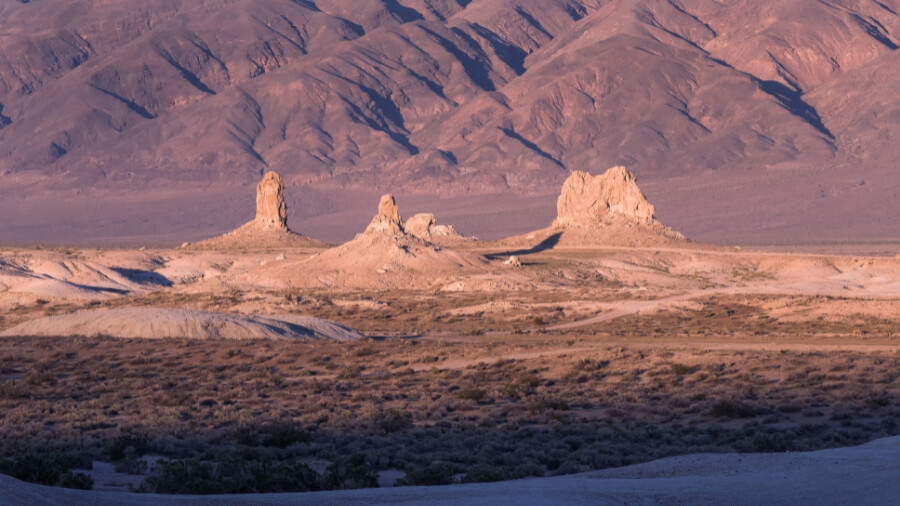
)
(388, 220)
(271, 210)
(269, 228)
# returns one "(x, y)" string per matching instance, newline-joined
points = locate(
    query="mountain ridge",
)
(445, 97)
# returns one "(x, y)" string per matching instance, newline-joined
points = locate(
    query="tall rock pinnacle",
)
(271, 211)
(388, 218)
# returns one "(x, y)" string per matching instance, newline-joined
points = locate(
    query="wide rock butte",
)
(586, 200)
(608, 209)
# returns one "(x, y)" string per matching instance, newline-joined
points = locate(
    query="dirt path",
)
(821, 345)
(630, 307)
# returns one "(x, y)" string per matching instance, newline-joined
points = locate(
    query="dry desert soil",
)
(581, 359)
(484, 349)
(262, 361)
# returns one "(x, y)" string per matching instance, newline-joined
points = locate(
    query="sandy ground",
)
(591, 286)
(861, 475)
(566, 293)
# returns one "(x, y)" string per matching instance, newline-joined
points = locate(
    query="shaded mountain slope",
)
(440, 96)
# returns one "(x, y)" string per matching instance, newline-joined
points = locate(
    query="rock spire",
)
(388, 218)
(271, 210)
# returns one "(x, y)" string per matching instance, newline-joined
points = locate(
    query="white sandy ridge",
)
(154, 323)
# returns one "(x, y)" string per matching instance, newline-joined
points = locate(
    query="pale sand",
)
(155, 323)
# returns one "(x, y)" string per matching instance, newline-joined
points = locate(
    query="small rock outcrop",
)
(271, 210)
(513, 261)
(420, 225)
(587, 200)
(424, 226)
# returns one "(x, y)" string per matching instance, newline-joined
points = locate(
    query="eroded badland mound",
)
(269, 229)
(608, 209)
(385, 255)
(158, 323)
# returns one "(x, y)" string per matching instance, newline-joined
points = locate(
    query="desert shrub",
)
(231, 476)
(350, 372)
(287, 434)
(131, 465)
(512, 390)
(542, 404)
(568, 467)
(365, 351)
(349, 474)
(436, 473)
(471, 394)
(529, 381)
(733, 409)
(275, 434)
(879, 401)
(389, 421)
(128, 444)
(483, 473)
(770, 443)
(13, 390)
(524, 385)
(583, 368)
(51, 469)
(41, 378)
(78, 481)
(682, 369)
(527, 470)
(182, 477)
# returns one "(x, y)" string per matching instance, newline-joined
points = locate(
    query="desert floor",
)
(582, 359)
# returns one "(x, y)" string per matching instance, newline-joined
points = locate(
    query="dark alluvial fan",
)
(743, 119)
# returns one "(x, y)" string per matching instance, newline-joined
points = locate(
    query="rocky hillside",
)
(104, 103)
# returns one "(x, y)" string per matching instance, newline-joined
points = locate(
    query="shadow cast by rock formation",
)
(548, 243)
(144, 277)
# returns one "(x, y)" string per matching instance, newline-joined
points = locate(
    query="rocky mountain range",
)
(743, 119)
